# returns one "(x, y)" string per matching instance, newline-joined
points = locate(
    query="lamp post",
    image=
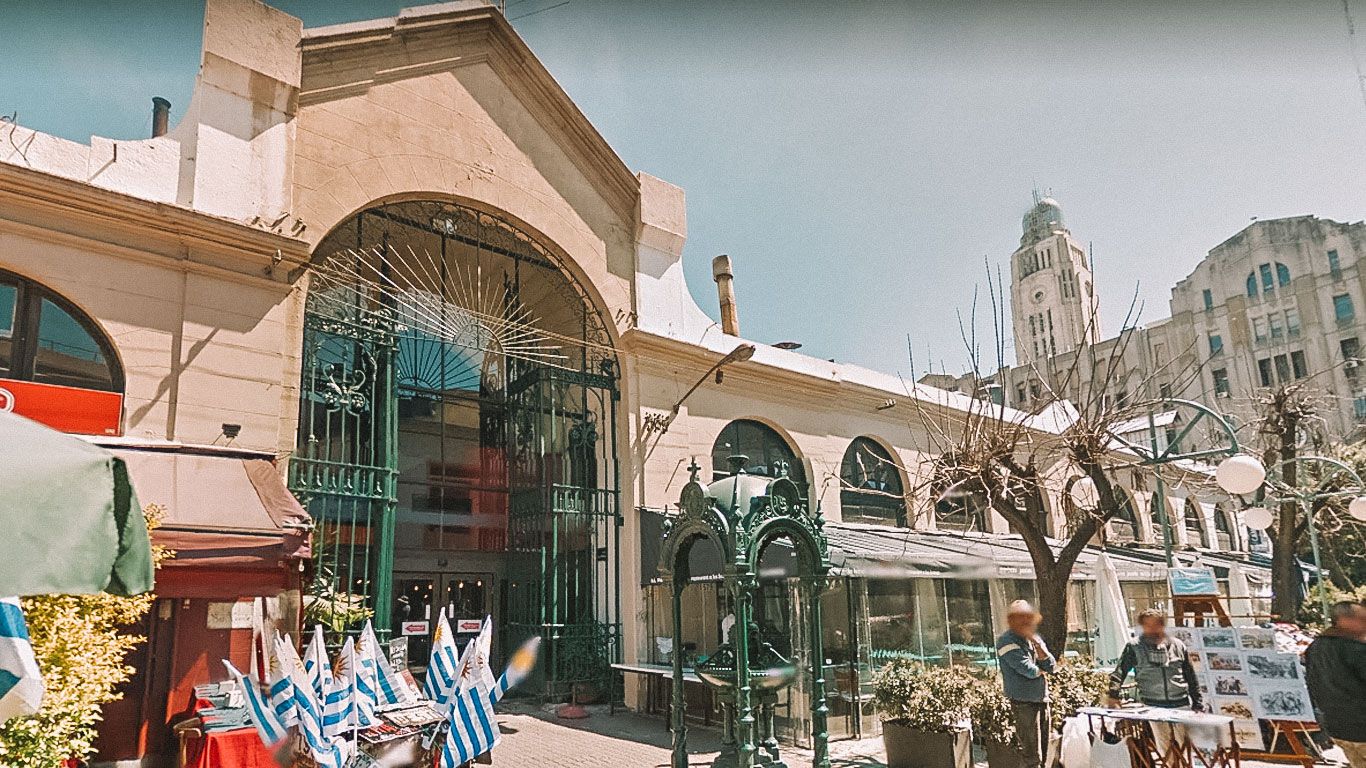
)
(1280, 492)
(1235, 467)
(660, 423)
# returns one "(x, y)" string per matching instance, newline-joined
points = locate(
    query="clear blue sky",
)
(860, 160)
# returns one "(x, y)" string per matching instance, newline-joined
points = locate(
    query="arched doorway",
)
(457, 438)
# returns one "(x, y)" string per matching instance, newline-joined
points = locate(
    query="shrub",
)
(81, 646)
(931, 699)
(992, 719)
(1075, 684)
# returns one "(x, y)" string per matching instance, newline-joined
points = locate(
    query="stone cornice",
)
(349, 58)
(75, 208)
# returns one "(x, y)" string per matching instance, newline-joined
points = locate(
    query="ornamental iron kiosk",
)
(742, 515)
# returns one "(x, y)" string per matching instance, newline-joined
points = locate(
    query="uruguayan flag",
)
(523, 661)
(327, 752)
(279, 693)
(315, 663)
(21, 684)
(443, 671)
(361, 694)
(392, 687)
(473, 728)
(268, 725)
(481, 662)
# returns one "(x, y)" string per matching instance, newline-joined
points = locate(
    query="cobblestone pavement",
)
(535, 738)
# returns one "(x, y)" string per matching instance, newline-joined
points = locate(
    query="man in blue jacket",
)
(1024, 660)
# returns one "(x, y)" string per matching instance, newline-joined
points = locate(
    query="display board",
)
(1244, 676)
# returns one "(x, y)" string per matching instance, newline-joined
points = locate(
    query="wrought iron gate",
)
(425, 302)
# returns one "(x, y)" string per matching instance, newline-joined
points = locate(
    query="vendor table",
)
(1170, 738)
(239, 748)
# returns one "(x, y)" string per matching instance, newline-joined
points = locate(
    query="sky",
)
(865, 163)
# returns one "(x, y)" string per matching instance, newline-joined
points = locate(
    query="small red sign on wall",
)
(69, 409)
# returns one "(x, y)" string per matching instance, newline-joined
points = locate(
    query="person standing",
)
(1335, 670)
(1161, 666)
(1024, 660)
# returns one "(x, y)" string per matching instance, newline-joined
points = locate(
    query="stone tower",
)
(1052, 299)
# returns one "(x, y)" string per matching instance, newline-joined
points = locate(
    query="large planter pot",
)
(1003, 755)
(909, 748)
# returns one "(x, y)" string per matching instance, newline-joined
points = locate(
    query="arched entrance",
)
(457, 438)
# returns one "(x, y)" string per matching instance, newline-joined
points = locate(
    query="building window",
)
(1223, 529)
(46, 339)
(1359, 407)
(1334, 266)
(1252, 285)
(1208, 296)
(1216, 344)
(1123, 527)
(1298, 365)
(1282, 274)
(1259, 329)
(961, 507)
(1264, 371)
(1194, 524)
(1282, 369)
(1268, 283)
(766, 452)
(1020, 395)
(1164, 390)
(1277, 328)
(870, 487)
(1351, 358)
(1292, 323)
(1343, 310)
(1220, 381)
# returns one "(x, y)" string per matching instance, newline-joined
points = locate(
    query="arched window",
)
(766, 452)
(870, 485)
(961, 506)
(1223, 529)
(1252, 285)
(1123, 526)
(1195, 524)
(1282, 274)
(44, 338)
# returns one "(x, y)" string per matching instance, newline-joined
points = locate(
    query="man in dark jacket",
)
(1024, 659)
(1336, 673)
(1161, 665)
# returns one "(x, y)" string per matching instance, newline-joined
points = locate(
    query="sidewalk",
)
(535, 738)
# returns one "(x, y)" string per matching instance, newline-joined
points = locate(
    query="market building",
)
(391, 262)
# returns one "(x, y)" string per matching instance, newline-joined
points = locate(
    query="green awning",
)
(70, 522)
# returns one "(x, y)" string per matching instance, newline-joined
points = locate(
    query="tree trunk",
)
(1052, 588)
(1286, 581)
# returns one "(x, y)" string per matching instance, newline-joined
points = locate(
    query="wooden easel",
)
(1197, 608)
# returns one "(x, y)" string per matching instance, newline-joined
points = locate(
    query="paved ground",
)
(536, 739)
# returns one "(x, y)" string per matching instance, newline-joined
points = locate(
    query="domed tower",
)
(1052, 299)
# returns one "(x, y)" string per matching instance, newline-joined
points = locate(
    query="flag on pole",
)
(350, 676)
(473, 729)
(315, 663)
(521, 664)
(279, 693)
(268, 725)
(443, 670)
(327, 752)
(21, 683)
(481, 663)
(391, 687)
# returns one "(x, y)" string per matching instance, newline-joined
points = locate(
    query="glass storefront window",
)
(906, 620)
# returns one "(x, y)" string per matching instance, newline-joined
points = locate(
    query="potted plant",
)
(993, 723)
(925, 715)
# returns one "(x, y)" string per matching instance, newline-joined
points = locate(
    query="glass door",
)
(421, 598)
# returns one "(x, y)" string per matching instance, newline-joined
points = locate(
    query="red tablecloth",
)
(241, 748)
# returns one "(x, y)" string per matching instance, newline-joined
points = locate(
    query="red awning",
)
(235, 528)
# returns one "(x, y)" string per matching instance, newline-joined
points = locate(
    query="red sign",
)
(466, 626)
(69, 409)
(414, 628)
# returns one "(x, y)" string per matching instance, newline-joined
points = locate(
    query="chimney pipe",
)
(161, 116)
(725, 290)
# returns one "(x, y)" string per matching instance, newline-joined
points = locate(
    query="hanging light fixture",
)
(1357, 508)
(1258, 518)
(1241, 474)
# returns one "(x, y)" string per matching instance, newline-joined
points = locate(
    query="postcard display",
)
(1244, 676)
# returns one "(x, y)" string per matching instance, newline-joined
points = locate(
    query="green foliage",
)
(81, 646)
(1311, 613)
(1074, 684)
(324, 604)
(930, 699)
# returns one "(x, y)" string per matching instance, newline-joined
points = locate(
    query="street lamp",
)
(660, 423)
(1260, 518)
(1238, 469)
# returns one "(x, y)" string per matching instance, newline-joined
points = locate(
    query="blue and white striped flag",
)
(268, 725)
(392, 688)
(327, 752)
(473, 728)
(21, 683)
(315, 663)
(279, 690)
(443, 671)
(361, 693)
